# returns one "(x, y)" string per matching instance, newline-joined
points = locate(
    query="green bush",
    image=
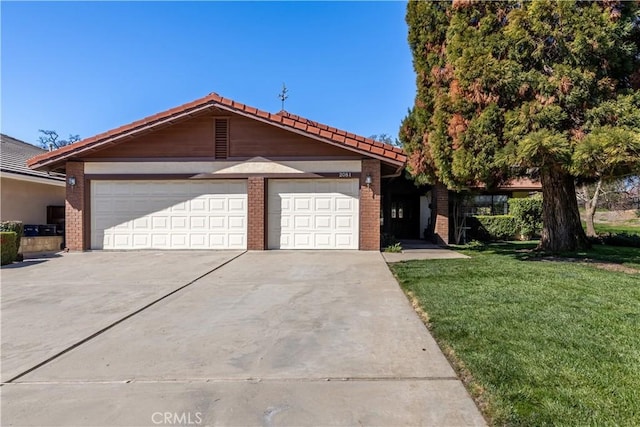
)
(387, 239)
(8, 247)
(395, 248)
(528, 214)
(15, 226)
(495, 227)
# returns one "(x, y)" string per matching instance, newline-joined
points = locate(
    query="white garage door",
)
(168, 215)
(313, 214)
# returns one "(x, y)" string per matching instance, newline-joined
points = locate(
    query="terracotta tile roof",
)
(282, 119)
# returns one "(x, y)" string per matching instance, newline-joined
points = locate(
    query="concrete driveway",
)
(217, 338)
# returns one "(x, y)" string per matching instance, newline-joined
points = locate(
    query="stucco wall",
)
(27, 201)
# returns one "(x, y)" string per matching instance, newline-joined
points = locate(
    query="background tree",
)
(509, 89)
(50, 140)
(385, 139)
(610, 150)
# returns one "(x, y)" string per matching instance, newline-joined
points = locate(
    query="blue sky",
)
(85, 68)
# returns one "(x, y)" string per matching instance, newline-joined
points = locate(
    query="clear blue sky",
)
(85, 68)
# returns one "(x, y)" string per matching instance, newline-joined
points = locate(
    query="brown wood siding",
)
(195, 137)
(253, 138)
(190, 138)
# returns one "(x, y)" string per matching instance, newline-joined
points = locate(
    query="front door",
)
(405, 217)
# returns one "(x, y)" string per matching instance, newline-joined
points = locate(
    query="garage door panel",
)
(344, 222)
(217, 222)
(179, 207)
(323, 222)
(198, 223)
(235, 239)
(322, 240)
(301, 222)
(344, 240)
(141, 223)
(344, 204)
(198, 205)
(302, 204)
(237, 222)
(237, 205)
(311, 214)
(323, 204)
(168, 215)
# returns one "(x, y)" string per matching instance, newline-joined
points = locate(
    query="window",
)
(221, 138)
(488, 204)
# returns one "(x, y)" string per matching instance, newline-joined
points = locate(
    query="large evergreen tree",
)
(508, 89)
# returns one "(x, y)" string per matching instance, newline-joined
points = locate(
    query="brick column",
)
(370, 206)
(75, 208)
(256, 236)
(441, 198)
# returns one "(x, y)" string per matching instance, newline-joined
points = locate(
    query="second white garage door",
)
(169, 214)
(313, 214)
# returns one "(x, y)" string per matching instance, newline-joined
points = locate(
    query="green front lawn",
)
(629, 228)
(539, 340)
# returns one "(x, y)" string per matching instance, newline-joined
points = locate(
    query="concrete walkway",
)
(421, 250)
(269, 338)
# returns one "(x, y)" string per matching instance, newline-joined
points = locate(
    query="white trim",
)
(37, 179)
(255, 165)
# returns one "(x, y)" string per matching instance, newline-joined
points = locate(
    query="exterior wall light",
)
(72, 181)
(368, 180)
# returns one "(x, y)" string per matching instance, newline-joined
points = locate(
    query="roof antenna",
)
(283, 95)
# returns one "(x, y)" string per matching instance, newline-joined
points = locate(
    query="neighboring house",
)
(218, 174)
(26, 193)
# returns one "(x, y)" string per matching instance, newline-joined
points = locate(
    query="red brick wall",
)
(256, 236)
(370, 206)
(74, 208)
(442, 214)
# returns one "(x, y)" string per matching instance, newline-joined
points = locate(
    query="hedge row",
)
(528, 214)
(492, 227)
(15, 226)
(8, 252)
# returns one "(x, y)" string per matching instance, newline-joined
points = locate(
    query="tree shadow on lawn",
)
(601, 256)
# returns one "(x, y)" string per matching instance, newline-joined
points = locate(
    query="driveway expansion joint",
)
(238, 380)
(117, 322)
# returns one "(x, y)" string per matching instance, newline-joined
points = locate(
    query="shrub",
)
(395, 248)
(8, 251)
(495, 227)
(15, 226)
(387, 239)
(528, 215)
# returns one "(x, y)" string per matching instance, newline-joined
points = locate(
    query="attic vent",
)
(221, 130)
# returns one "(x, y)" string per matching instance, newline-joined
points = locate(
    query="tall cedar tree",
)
(541, 88)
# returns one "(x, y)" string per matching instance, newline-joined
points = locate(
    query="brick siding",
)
(370, 206)
(74, 208)
(256, 235)
(442, 214)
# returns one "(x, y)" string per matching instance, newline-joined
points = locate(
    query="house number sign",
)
(344, 174)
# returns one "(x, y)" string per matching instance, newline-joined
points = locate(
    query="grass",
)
(617, 228)
(540, 342)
